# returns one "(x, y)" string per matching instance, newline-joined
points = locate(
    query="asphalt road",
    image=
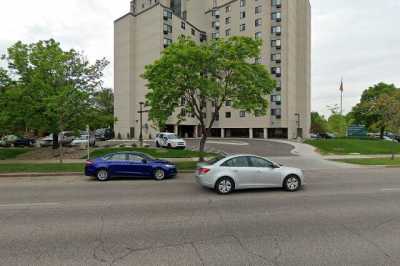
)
(342, 217)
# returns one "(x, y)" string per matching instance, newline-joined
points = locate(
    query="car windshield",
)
(171, 136)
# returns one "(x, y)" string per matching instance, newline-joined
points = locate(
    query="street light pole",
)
(141, 111)
(298, 124)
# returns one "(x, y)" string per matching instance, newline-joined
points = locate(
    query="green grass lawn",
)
(348, 146)
(373, 161)
(70, 167)
(12, 153)
(157, 153)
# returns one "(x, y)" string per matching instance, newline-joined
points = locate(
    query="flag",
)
(341, 86)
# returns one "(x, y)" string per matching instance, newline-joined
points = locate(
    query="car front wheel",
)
(292, 183)
(224, 185)
(102, 175)
(159, 174)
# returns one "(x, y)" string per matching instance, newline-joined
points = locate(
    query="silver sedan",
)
(226, 174)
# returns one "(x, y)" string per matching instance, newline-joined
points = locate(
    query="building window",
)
(242, 3)
(258, 35)
(242, 27)
(167, 14)
(276, 30)
(228, 32)
(276, 44)
(228, 9)
(183, 25)
(228, 20)
(276, 16)
(228, 103)
(276, 98)
(215, 35)
(203, 37)
(215, 25)
(276, 112)
(242, 14)
(228, 115)
(276, 71)
(167, 42)
(193, 32)
(276, 3)
(215, 13)
(258, 9)
(242, 114)
(258, 22)
(276, 57)
(167, 29)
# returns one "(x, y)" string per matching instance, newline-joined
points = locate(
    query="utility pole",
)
(141, 112)
(298, 124)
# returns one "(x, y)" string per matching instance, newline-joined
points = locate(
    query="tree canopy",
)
(364, 113)
(190, 75)
(51, 89)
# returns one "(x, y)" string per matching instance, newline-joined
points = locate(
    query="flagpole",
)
(341, 96)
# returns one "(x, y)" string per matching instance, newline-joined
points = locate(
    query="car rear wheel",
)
(224, 185)
(292, 183)
(159, 174)
(102, 175)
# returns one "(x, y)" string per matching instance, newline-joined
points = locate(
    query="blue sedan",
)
(129, 164)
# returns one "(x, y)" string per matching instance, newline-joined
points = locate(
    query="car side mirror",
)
(276, 166)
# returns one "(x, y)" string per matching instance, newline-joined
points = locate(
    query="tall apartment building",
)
(283, 25)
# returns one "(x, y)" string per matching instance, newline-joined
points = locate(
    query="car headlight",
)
(170, 166)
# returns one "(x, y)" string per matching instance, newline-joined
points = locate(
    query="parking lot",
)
(346, 215)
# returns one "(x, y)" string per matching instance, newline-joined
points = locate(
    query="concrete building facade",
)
(283, 25)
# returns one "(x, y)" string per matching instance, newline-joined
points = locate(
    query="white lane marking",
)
(390, 189)
(28, 205)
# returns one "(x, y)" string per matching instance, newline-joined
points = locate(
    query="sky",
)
(358, 40)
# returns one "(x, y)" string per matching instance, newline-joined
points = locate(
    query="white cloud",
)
(355, 39)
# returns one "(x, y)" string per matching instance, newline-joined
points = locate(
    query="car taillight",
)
(203, 170)
(88, 162)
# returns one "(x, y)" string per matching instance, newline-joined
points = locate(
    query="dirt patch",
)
(49, 153)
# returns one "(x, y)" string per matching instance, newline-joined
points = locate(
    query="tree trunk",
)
(61, 149)
(382, 132)
(203, 141)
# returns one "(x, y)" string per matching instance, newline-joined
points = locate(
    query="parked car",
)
(104, 134)
(81, 140)
(129, 164)
(169, 140)
(8, 141)
(327, 135)
(68, 137)
(24, 142)
(236, 172)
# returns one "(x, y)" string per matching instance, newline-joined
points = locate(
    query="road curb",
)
(40, 174)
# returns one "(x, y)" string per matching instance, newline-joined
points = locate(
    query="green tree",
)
(53, 87)
(388, 107)
(319, 124)
(363, 112)
(189, 75)
(103, 109)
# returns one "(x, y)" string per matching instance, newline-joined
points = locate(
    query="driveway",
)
(288, 153)
(251, 146)
(341, 217)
